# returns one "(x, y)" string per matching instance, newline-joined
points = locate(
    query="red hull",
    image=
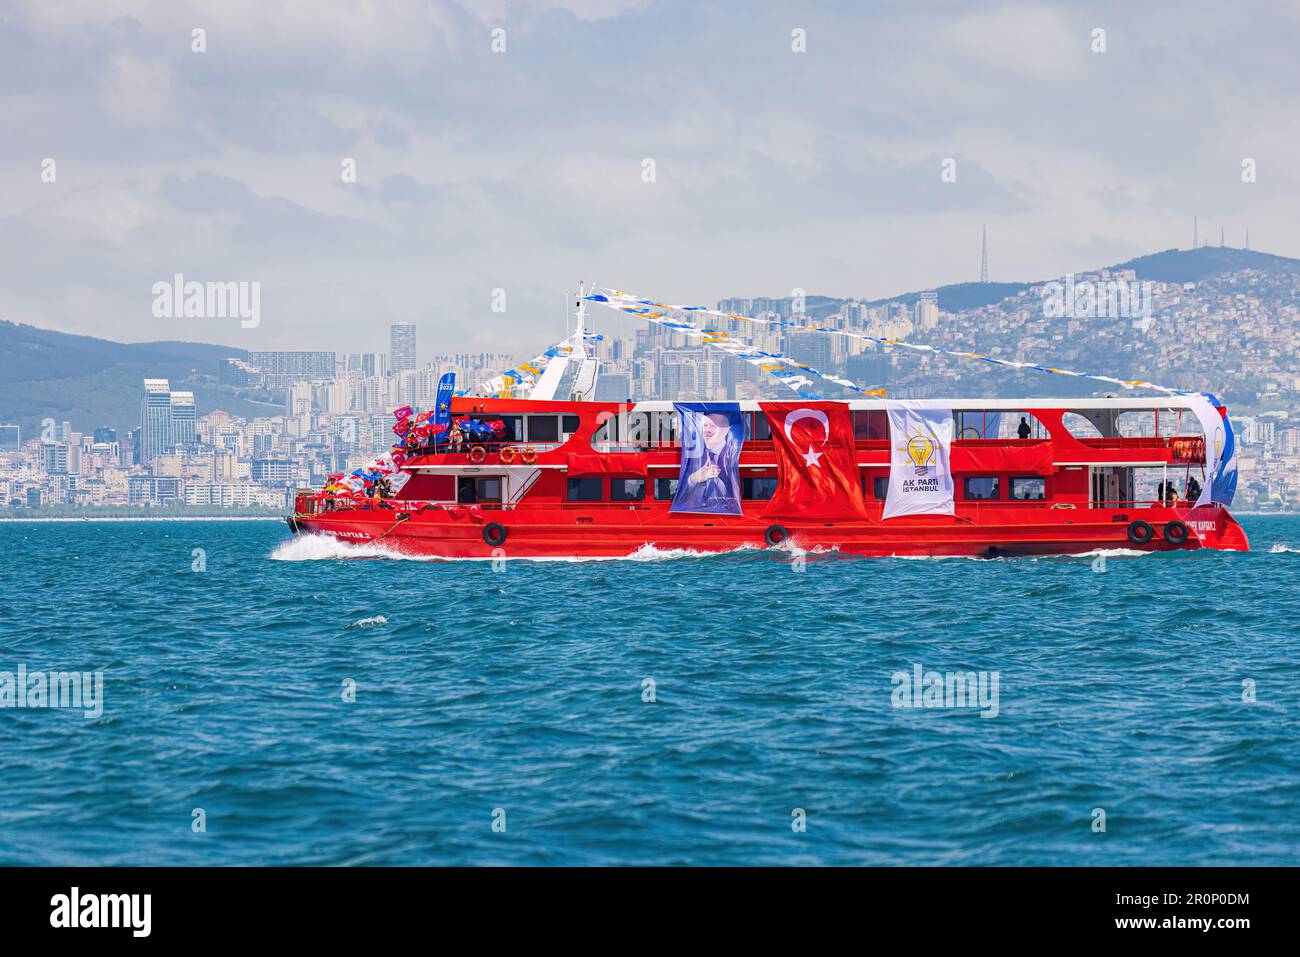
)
(613, 532)
(1081, 491)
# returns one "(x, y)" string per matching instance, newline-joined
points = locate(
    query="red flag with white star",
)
(819, 471)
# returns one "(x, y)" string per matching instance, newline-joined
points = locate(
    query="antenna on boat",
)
(588, 366)
(574, 350)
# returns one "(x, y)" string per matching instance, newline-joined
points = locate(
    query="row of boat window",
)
(754, 488)
(534, 428)
(980, 488)
(661, 428)
(665, 427)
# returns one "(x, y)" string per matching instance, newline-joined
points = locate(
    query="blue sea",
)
(270, 700)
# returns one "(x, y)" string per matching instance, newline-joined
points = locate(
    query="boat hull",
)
(464, 533)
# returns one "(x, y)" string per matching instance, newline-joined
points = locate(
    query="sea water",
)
(276, 700)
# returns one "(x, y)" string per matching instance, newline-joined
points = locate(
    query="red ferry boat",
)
(595, 479)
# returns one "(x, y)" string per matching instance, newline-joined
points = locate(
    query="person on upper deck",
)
(1023, 430)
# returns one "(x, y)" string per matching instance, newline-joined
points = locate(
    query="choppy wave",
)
(320, 547)
(336, 711)
(323, 547)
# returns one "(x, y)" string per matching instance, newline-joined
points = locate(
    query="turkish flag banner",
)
(819, 471)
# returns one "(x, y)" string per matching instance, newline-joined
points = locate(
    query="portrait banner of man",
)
(712, 436)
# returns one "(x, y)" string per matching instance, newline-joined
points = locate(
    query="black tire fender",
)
(1140, 532)
(495, 534)
(1177, 533)
(776, 534)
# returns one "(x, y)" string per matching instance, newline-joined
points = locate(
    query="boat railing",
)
(1141, 503)
(443, 448)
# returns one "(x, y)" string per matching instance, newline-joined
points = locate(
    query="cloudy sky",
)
(525, 170)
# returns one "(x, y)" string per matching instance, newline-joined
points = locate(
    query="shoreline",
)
(151, 518)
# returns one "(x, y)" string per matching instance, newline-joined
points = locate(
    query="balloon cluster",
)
(418, 430)
(415, 431)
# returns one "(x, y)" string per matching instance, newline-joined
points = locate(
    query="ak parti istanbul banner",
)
(818, 468)
(920, 471)
(712, 436)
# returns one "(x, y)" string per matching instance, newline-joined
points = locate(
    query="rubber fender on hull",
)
(1140, 532)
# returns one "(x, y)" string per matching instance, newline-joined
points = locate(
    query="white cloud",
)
(138, 92)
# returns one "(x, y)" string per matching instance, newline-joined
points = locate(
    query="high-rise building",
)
(402, 346)
(367, 364)
(184, 419)
(298, 409)
(926, 311)
(103, 434)
(54, 458)
(281, 369)
(167, 420)
(155, 419)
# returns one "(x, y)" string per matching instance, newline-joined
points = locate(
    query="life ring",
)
(1140, 532)
(1176, 533)
(477, 454)
(507, 454)
(776, 534)
(494, 533)
(528, 456)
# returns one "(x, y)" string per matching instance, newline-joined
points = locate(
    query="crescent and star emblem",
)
(810, 457)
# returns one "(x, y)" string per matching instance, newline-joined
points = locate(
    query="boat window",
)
(1177, 422)
(543, 428)
(665, 488)
(1004, 424)
(1082, 426)
(1136, 423)
(466, 492)
(1149, 423)
(758, 487)
(571, 424)
(1028, 487)
(488, 490)
(880, 486)
(981, 487)
(762, 427)
(626, 489)
(585, 490)
(977, 424)
(870, 424)
(514, 428)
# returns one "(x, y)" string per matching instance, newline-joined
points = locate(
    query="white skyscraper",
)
(402, 346)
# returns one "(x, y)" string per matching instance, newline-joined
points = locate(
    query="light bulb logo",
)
(920, 449)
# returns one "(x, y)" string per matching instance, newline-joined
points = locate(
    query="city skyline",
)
(462, 172)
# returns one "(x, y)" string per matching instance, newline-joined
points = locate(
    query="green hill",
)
(94, 382)
(1193, 265)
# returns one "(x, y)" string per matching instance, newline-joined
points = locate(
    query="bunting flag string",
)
(783, 366)
(520, 380)
(789, 371)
